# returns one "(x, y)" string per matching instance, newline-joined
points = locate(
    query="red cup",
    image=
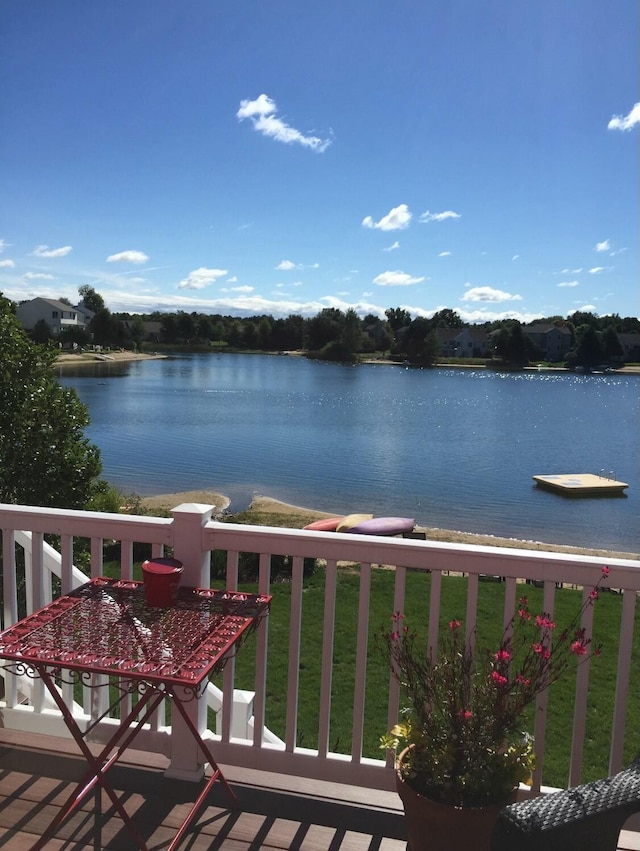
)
(161, 578)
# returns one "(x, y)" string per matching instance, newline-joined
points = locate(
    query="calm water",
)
(452, 448)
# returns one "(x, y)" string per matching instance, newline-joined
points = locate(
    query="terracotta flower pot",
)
(432, 826)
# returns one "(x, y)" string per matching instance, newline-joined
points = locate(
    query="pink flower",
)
(524, 615)
(579, 648)
(523, 681)
(454, 624)
(541, 651)
(465, 714)
(605, 571)
(594, 594)
(544, 622)
(502, 656)
(498, 679)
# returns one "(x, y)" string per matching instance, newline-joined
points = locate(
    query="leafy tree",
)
(446, 318)
(44, 457)
(41, 332)
(511, 344)
(421, 343)
(351, 336)
(169, 327)
(588, 351)
(397, 318)
(326, 327)
(611, 345)
(92, 300)
(137, 330)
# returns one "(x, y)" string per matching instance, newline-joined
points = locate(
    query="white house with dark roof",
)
(56, 314)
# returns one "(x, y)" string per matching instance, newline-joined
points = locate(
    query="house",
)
(57, 314)
(467, 342)
(554, 341)
(630, 343)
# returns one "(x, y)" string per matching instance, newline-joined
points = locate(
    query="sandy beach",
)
(266, 506)
(73, 359)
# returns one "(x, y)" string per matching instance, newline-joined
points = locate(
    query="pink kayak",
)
(327, 524)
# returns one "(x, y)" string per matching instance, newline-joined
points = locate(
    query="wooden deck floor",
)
(275, 813)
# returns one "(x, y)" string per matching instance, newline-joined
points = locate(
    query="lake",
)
(454, 448)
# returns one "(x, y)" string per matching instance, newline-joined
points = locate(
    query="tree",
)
(446, 318)
(421, 343)
(511, 344)
(588, 350)
(92, 300)
(397, 318)
(45, 459)
(41, 332)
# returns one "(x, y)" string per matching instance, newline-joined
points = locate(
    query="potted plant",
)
(461, 752)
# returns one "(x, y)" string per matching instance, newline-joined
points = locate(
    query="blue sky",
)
(282, 157)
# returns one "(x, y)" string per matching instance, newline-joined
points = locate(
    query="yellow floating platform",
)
(581, 484)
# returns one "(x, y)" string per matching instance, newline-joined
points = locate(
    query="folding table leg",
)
(217, 775)
(98, 766)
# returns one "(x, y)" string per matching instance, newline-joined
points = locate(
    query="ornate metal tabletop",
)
(106, 627)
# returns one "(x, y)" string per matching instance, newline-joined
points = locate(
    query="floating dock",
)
(582, 484)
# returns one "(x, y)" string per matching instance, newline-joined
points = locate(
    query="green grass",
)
(561, 699)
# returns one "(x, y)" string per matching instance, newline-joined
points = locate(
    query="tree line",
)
(333, 334)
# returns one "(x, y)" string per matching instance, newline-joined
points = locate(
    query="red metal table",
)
(106, 627)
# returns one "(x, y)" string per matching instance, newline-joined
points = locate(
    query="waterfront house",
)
(57, 314)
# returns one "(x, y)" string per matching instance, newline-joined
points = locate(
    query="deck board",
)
(276, 813)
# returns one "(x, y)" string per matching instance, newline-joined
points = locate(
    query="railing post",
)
(187, 761)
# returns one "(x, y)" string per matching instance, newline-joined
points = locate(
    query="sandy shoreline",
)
(267, 505)
(71, 359)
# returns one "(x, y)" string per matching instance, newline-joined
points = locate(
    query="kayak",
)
(384, 526)
(327, 524)
(351, 520)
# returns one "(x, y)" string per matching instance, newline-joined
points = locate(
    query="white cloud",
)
(439, 217)
(444, 254)
(605, 245)
(45, 251)
(285, 266)
(37, 276)
(242, 289)
(596, 270)
(489, 294)
(4, 244)
(396, 219)
(7, 264)
(626, 122)
(128, 257)
(516, 257)
(232, 280)
(262, 114)
(393, 247)
(396, 279)
(585, 308)
(569, 284)
(201, 278)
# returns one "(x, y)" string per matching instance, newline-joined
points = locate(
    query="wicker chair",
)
(585, 818)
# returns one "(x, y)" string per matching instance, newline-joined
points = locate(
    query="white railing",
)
(192, 537)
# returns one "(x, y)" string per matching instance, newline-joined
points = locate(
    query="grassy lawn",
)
(561, 698)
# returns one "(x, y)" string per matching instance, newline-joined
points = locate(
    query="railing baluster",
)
(629, 603)
(326, 675)
(293, 678)
(262, 643)
(361, 663)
